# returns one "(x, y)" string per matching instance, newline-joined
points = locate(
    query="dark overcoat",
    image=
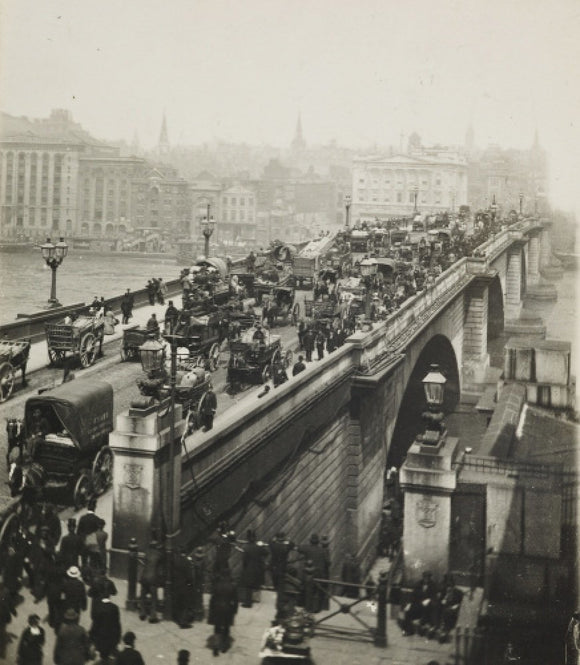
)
(106, 629)
(253, 566)
(223, 604)
(72, 645)
(30, 647)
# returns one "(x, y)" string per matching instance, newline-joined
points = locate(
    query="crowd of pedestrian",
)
(231, 585)
(432, 608)
(65, 572)
(156, 290)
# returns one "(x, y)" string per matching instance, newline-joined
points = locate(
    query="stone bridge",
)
(310, 456)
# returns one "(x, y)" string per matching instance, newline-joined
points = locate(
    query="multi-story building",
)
(56, 179)
(238, 214)
(432, 180)
(105, 195)
(508, 175)
(40, 161)
(161, 202)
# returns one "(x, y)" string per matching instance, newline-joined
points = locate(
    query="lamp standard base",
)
(51, 304)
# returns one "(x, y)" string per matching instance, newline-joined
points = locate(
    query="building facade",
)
(105, 195)
(40, 163)
(508, 176)
(399, 185)
(238, 214)
(161, 202)
(56, 179)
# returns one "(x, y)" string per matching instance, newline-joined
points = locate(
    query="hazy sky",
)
(359, 71)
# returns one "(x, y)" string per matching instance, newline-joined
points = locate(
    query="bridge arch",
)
(438, 350)
(495, 309)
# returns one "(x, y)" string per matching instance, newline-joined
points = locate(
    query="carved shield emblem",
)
(133, 474)
(426, 512)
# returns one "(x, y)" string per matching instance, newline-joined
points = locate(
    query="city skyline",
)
(361, 76)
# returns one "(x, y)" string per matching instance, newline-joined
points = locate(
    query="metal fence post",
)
(310, 600)
(457, 655)
(133, 563)
(381, 634)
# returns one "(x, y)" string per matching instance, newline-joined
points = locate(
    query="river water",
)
(25, 287)
(25, 279)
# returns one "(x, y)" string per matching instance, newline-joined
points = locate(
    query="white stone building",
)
(392, 186)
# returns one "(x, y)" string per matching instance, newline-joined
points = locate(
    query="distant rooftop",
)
(58, 127)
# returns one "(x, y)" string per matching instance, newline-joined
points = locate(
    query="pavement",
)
(339, 643)
(38, 357)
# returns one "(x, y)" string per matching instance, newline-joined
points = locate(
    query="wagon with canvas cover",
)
(67, 434)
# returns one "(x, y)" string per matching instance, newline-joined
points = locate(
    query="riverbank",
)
(25, 280)
(32, 326)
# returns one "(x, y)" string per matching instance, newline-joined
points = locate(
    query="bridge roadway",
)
(310, 456)
(122, 375)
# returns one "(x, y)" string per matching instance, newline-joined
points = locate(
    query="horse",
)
(15, 436)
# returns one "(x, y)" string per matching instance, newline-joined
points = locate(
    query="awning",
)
(215, 262)
(83, 406)
(385, 262)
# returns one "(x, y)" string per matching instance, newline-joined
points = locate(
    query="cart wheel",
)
(197, 413)
(214, 357)
(288, 359)
(8, 533)
(295, 313)
(266, 373)
(102, 475)
(83, 491)
(6, 381)
(56, 357)
(192, 422)
(88, 350)
(124, 354)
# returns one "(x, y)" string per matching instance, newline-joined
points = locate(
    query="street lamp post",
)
(207, 227)
(152, 355)
(434, 387)
(347, 204)
(493, 208)
(54, 255)
(521, 202)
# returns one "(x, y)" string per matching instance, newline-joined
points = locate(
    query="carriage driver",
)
(259, 335)
(40, 425)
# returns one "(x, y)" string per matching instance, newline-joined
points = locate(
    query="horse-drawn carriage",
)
(319, 309)
(133, 337)
(81, 338)
(192, 386)
(201, 337)
(279, 304)
(253, 358)
(13, 357)
(64, 441)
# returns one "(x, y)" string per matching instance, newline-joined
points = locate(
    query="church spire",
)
(298, 143)
(163, 145)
